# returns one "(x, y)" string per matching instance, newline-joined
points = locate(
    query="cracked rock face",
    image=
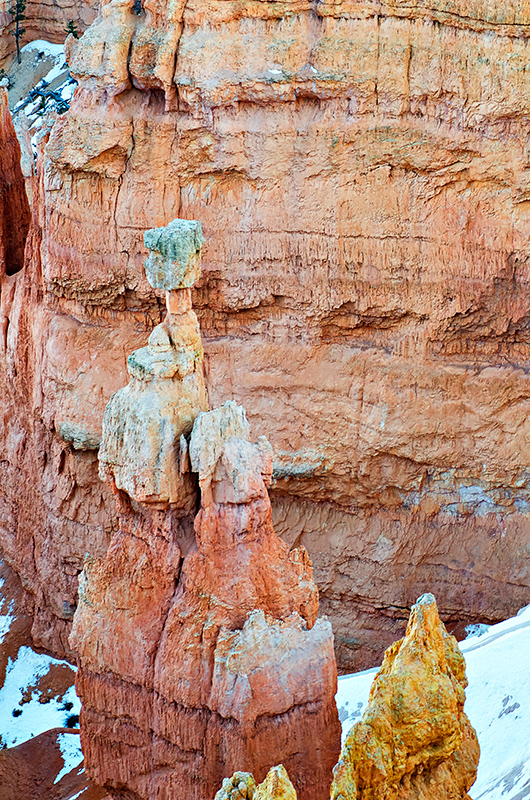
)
(414, 741)
(361, 174)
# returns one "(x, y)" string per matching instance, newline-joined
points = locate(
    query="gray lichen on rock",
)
(77, 436)
(145, 421)
(174, 254)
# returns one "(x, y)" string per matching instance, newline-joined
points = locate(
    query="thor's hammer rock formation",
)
(414, 741)
(144, 421)
(199, 646)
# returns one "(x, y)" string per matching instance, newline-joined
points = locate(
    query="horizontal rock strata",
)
(361, 171)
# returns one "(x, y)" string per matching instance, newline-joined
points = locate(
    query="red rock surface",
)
(31, 769)
(155, 633)
(51, 496)
(361, 174)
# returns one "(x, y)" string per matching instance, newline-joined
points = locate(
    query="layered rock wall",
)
(361, 173)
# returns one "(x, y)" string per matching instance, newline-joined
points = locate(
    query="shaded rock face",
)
(414, 741)
(198, 639)
(14, 207)
(361, 175)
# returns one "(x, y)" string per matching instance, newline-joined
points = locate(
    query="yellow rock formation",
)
(414, 741)
(242, 786)
(276, 786)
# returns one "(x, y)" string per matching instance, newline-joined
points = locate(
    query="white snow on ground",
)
(45, 47)
(70, 744)
(78, 794)
(36, 107)
(33, 717)
(6, 619)
(352, 697)
(497, 703)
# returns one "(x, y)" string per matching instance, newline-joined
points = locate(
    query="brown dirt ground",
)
(29, 770)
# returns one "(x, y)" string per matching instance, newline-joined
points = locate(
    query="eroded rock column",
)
(199, 644)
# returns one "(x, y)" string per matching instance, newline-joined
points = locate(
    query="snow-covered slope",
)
(37, 691)
(497, 703)
(27, 706)
(41, 83)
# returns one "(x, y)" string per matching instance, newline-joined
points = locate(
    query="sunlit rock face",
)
(242, 786)
(360, 172)
(414, 741)
(198, 639)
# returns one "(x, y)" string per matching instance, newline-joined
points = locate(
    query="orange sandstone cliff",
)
(361, 173)
(198, 639)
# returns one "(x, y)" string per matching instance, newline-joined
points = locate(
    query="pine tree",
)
(71, 27)
(17, 12)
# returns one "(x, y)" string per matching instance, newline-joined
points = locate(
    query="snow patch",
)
(75, 796)
(476, 630)
(53, 92)
(49, 49)
(22, 717)
(70, 744)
